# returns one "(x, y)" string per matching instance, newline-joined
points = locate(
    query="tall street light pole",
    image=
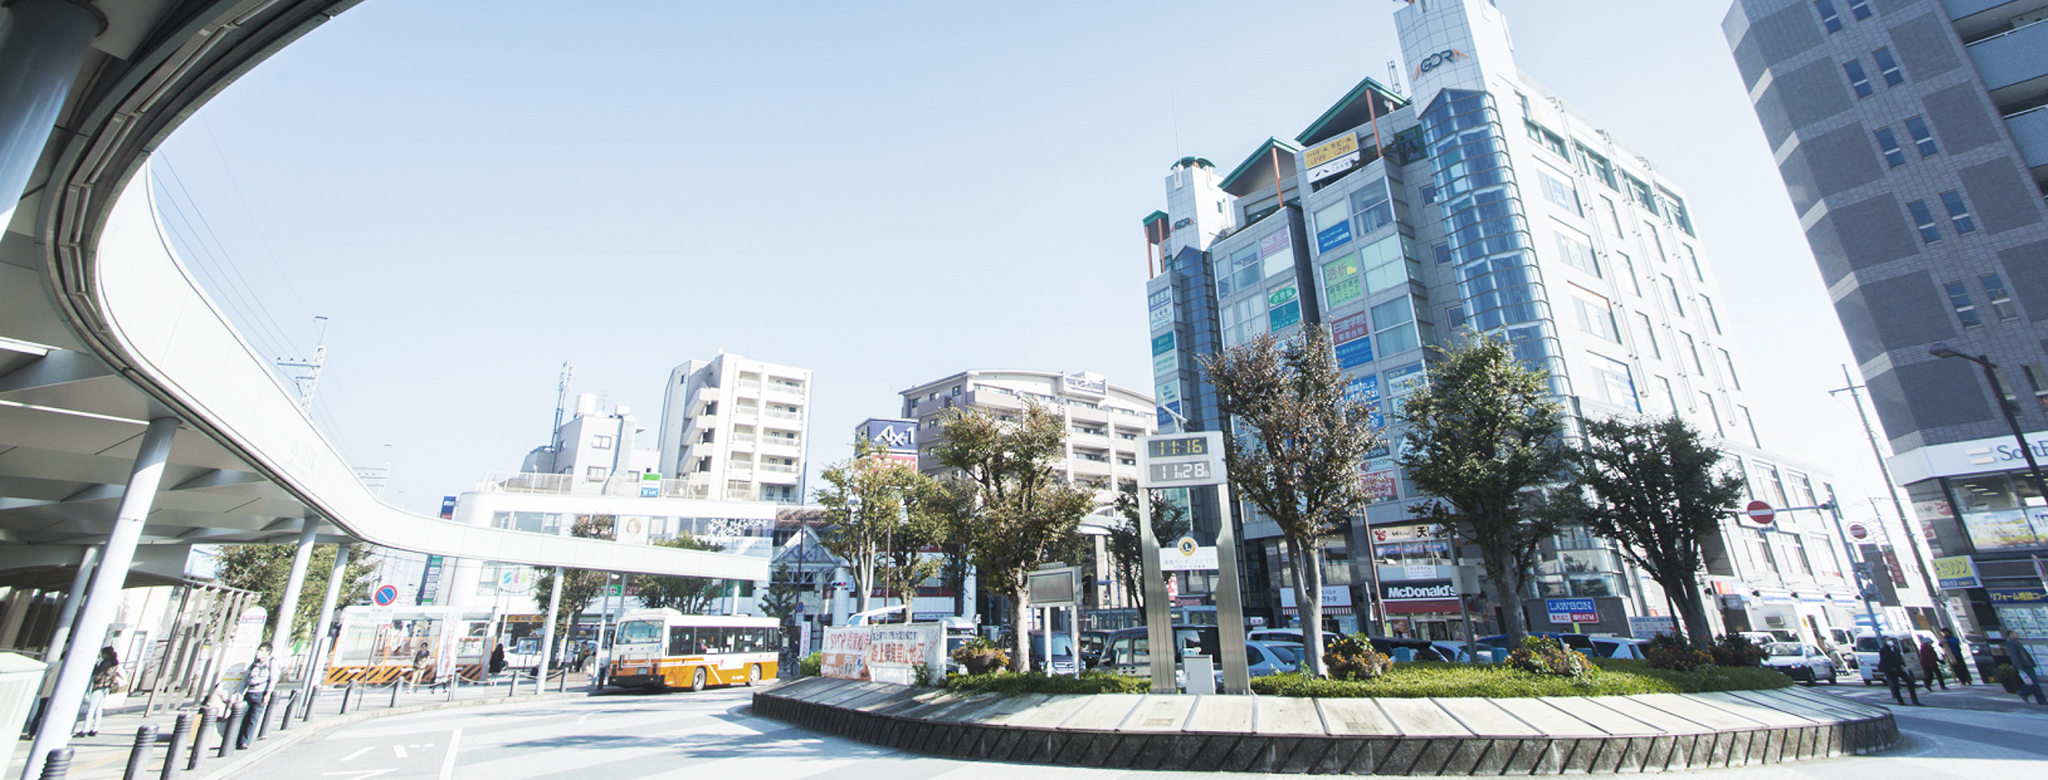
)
(1943, 350)
(1914, 539)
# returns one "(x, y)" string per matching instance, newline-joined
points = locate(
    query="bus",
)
(661, 648)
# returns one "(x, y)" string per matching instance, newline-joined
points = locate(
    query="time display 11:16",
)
(1180, 472)
(1168, 448)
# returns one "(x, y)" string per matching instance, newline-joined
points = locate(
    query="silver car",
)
(1799, 661)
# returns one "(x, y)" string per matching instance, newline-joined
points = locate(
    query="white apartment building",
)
(591, 453)
(1104, 421)
(734, 429)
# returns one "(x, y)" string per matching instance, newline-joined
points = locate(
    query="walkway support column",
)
(547, 632)
(43, 44)
(105, 597)
(61, 637)
(317, 669)
(288, 606)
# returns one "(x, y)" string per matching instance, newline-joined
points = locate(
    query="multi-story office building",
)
(1913, 140)
(1485, 203)
(591, 453)
(735, 429)
(1104, 421)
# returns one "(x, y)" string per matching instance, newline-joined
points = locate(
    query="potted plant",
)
(980, 655)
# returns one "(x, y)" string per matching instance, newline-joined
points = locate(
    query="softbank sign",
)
(1418, 591)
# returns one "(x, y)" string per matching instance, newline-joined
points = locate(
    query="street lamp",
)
(1941, 349)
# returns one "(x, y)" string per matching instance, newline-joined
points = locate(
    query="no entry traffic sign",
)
(1760, 512)
(385, 596)
(1859, 531)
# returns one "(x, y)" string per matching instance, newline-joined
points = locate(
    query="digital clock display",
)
(1192, 471)
(1173, 448)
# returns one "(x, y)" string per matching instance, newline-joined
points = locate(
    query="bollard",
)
(199, 739)
(394, 694)
(312, 697)
(263, 716)
(57, 764)
(180, 732)
(290, 702)
(138, 756)
(234, 732)
(345, 694)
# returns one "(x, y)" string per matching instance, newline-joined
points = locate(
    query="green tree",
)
(688, 595)
(1126, 546)
(780, 600)
(264, 568)
(580, 587)
(1018, 511)
(1656, 487)
(877, 522)
(1296, 456)
(1485, 441)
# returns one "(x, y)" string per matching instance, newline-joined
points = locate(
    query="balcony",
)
(2030, 131)
(2011, 63)
(777, 414)
(783, 443)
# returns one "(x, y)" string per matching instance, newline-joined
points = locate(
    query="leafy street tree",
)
(877, 522)
(1017, 511)
(688, 595)
(780, 600)
(1655, 486)
(265, 567)
(1296, 456)
(1126, 545)
(580, 587)
(1485, 440)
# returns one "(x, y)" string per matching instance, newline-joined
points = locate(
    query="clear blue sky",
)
(884, 193)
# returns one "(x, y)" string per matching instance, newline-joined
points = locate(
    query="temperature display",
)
(1192, 471)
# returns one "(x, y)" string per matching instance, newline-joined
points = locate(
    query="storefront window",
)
(1992, 513)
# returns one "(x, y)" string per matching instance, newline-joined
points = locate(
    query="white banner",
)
(885, 653)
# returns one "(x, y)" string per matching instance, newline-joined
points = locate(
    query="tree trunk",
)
(1020, 616)
(1694, 612)
(1509, 600)
(1308, 599)
(864, 581)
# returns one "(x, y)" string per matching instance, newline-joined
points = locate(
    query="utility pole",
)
(1914, 539)
(309, 382)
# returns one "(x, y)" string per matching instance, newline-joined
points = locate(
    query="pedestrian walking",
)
(1930, 667)
(422, 667)
(1958, 660)
(1892, 664)
(106, 677)
(497, 659)
(256, 693)
(2030, 673)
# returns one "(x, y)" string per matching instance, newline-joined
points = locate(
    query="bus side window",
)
(676, 641)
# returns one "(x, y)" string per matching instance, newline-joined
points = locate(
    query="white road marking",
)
(448, 762)
(365, 749)
(586, 716)
(399, 749)
(359, 774)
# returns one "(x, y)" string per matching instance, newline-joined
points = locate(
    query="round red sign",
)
(1859, 531)
(1760, 512)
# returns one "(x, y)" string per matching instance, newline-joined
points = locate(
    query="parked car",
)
(1128, 650)
(1619, 647)
(1276, 635)
(1455, 650)
(1091, 647)
(1062, 651)
(1800, 661)
(1261, 659)
(1868, 643)
(1291, 652)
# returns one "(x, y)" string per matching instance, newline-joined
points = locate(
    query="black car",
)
(1128, 650)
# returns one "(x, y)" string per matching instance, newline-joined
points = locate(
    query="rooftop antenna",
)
(561, 401)
(1394, 78)
(309, 381)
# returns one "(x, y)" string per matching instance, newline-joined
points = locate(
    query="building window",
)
(1656, 243)
(1442, 252)
(1670, 396)
(594, 473)
(706, 436)
(1559, 192)
(1617, 386)
(1394, 325)
(1922, 138)
(1649, 335)
(1629, 267)
(704, 464)
(1707, 400)
(1713, 320)
(1676, 304)
(1613, 216)
(1573, 250)
(1958, 212)
(2038, 377)
(1828, 17)
(600, 442)
(1887, 141)
(1692, 348)
(1924, 218)
(1693, 258)
(1595, 315)
(1857, 80)
(1861, 8)
(1728, 362)
(1749, 422)
(1641, 192)
(1889, 67)
(2001, 301)
(1596, 166)
(1959, 297)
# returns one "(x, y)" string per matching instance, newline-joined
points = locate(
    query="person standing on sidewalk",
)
(255, 692)
(106, 676)
(1892, 664)
(1957, 660)
(2030, 673)
(1930, 665)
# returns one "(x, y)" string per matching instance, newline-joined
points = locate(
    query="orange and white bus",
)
(663, 648)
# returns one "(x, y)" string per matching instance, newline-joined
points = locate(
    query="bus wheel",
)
(753, 675)
(697, 680)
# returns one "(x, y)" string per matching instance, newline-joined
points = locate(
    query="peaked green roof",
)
(1352, 111)
(1156, 216)
(1257, 156)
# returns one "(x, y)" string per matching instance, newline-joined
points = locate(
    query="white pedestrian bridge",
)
(133, 418)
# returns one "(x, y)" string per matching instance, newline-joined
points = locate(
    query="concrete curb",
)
(1579, 735)
(281, 740)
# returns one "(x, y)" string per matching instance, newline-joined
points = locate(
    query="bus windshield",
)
(639, 632)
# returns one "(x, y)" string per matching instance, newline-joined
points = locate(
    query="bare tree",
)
(1126, 545)
(1300, 443)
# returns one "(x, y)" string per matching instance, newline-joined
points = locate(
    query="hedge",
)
(1012, 683)
(1611, 678)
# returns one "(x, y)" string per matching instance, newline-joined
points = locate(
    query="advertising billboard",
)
(897, 435)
